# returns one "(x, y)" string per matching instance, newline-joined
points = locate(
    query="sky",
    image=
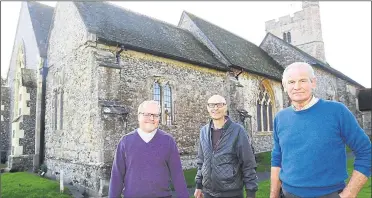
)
(346, 26)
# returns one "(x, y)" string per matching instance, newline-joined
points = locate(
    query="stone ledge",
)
(263, 133)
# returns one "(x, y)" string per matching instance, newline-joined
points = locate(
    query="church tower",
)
(303, 30)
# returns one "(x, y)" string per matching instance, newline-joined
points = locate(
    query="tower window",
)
(287, 37)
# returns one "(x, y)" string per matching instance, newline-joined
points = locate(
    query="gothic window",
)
(289, 37)
(168, 105)
(163, 94)
(285, 36)
(264, 111)
(259, 111)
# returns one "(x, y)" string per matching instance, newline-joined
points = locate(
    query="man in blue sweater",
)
(146, 159)
(309, 155)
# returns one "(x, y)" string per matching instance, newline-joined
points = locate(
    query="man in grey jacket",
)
(225, 159)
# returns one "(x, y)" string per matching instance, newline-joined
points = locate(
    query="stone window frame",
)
(168, 99)
(158, 94)
(264, 98)
(287, 37)
(57, 101)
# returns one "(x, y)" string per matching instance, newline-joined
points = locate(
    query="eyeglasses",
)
(219, 105)
(150, 115)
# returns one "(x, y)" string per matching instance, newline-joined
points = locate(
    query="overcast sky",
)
(346, 26)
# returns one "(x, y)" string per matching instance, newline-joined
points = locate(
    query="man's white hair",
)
(147, 102)
(304, 65)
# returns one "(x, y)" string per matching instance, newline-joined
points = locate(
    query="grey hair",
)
(146, 102)
(308, 67)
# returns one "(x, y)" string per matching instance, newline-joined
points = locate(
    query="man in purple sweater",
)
(146, 159)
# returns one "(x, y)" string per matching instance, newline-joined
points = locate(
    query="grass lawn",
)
(264, 187)
(190, 177)
(23, 184)
(263, 161)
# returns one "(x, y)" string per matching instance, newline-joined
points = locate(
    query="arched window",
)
(168, 104)
(284, 36)
(163, 94)
(264, 111)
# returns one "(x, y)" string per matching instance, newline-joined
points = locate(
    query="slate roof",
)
(238, 51)
(314, 61)
(142, 33)
(41, 18)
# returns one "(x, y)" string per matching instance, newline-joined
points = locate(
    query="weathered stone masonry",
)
(329, 86)
(5, 122)
(23, 126)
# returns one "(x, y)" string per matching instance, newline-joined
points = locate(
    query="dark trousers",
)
(332, 195)
(206, 195)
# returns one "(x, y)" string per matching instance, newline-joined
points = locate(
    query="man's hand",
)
(198, 193)
(354, 186)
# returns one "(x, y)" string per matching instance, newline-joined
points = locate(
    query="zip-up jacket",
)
(224, 171)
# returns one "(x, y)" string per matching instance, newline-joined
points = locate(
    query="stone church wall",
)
(72, 144)
(329, 86)
(191, 87)
(23, 133)
(5, 123)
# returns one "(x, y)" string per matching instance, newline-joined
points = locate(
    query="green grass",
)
(263, 161)
(264, 186)
(24, 184)
(190, 177)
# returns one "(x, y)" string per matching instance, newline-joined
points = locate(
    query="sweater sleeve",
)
(276, 154)
(118, 172)
(175, 167)
(357, 140)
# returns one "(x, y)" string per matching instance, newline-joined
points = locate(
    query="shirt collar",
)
(225, 126)
(310, 104)
(152, 133)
